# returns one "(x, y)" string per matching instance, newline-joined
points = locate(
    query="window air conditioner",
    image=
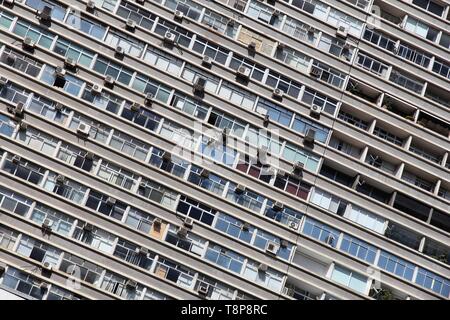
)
(109, 80)
(277, 206)
(60, 179)
(90, 6)
(131, 25)
(60, 72)
(310, 136)
(157, 222)
(178, 15)
(188, 222)
(70, 63)
(182, 232)
(283, 243)
(315, 110)
(16, 159)
(88, 227)
(19, 109)
(315, 72)
(47, 266)
(111, 201)
(135, 107)
(243, 72)
(207, 61)
(143, 251)
(297, 169)
(204, 173)
(140, 1)
(342, 31)
(262, 267)
(28, 43)
(148, 99)
(169, 37)
(293, 225)
(8, 2)
(277, 93)
(251, 47)
(10, 59)
(119, 51)
(3, 81)
(89, 156)
(59, 106)
(96, 89)
(239, 189)
(245, 226)
(266, 120)
(83, 130)
(199, 85)
(272, 248)
(47, 224)
(23, 125)
(45, 14)
(131, 284)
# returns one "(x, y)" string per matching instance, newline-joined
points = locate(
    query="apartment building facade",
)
(227, 149)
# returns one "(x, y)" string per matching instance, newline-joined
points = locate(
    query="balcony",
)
(389, 13)
(399, 108)
(407, 81)
(438, 95)
(363, 91)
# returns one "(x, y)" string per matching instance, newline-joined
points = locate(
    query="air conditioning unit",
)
(143, 251)
(88, 227)
(297, 169)
(277, 93)
(310, 136)
(330, 239)
(182, 232)
(157, 222)
(167, 156)
(239, 189)
(148, 99)
(315, 110)
(119, 51)
(111, 201)
(272, 248)
(44, 286)
(262, 267)
(89, 156)
(19, 109)
(3, 81)
(188, 222)
(293, 225)
(47, 224)
(70, 63)
(140, 1)
(199, 85)
(23, 126)
(142, 186)
(243, 72)
(45, 14)
(47, 266)
(60, 179)
(83, 130)
(315, 72)
(60, 72)
(277, 206)
(342, 31)
(90, 5)
(59, 106)
(276, 13)
(109, 80)
(10, 59)
(131, 24)
(266, 120)
(135, 107)
(8, 2)
(245, 226)
(204, 173)
(28, 43)
(16, 159)
(284, 243)
(207, 61)
(96, 89)
(169, 37)
(251, 47)
(131, 284)
(310, 31)
(178, 15)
